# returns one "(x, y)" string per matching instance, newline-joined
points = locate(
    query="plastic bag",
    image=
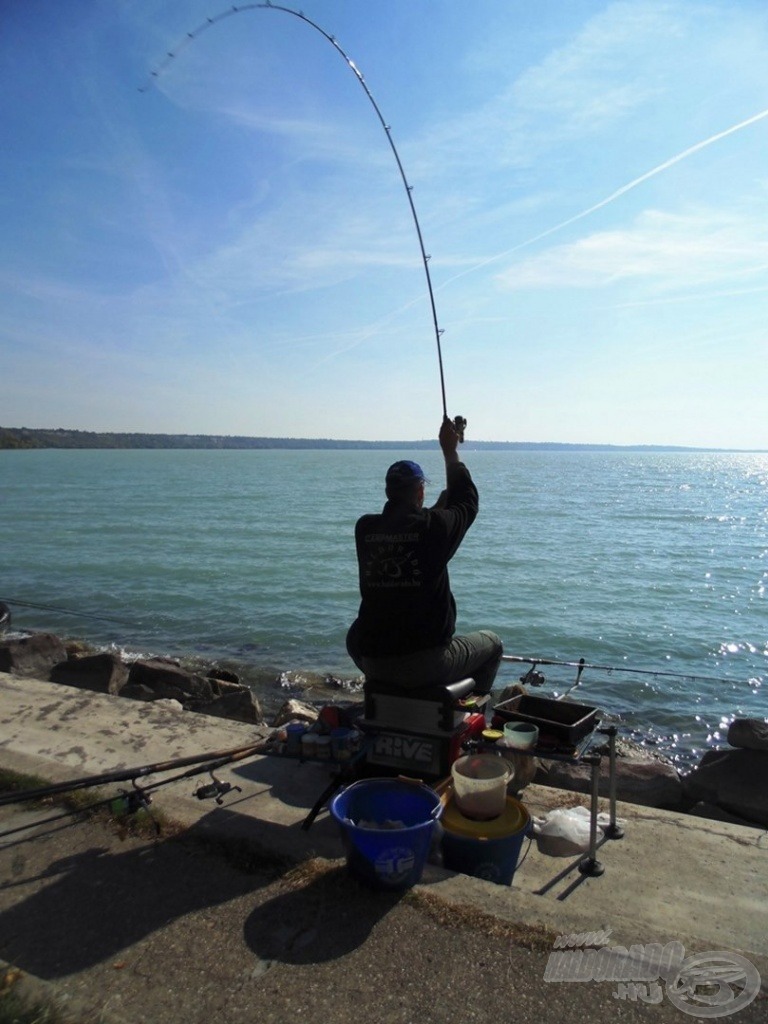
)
(563, 832)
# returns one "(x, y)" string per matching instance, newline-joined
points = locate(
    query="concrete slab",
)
(671, 877)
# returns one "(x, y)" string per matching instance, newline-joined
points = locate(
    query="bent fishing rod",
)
(458, 421)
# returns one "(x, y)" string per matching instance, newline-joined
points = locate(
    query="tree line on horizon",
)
(59, 437)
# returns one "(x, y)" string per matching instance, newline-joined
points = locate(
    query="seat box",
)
(422, 755)
(433, 710)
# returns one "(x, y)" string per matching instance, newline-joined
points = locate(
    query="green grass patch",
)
(18, 782)
(17, 1010)
(18, 1007)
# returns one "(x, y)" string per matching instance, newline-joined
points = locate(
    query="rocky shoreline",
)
(728, 785)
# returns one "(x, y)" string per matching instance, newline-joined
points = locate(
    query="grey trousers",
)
(476, 654)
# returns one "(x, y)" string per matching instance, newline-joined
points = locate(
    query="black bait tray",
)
(559, 720)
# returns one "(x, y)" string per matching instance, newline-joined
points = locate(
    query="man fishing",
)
(404, 631)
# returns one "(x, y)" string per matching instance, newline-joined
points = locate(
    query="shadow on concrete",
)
(293, 782)
(76, 896)
(322, 920)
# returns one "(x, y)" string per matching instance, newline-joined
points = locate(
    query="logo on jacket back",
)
(391, 564)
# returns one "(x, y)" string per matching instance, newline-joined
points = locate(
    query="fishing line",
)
(237, 9)
(66, 611)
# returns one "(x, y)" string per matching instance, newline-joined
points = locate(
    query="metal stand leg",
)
(345, 774)
(318, 805)
(612, 830)
(591, 865)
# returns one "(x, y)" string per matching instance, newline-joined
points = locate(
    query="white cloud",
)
(604, 72)
(666, 250)
(616, 64)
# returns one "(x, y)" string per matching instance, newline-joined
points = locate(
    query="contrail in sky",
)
(373, 329)
(613, 196)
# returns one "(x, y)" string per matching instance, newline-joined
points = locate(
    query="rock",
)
(170, 680)
(715, 813)
(748, 733)
(169, 704)
(77, 648)
(649, 783)
(513, 690)
(239, 706)
(137, 691)
(103, 673)
(32, 657)
(735, 780)
(524, 770)
(295, 710)
(5, 616)
(701, 785)
(224, 675)
(222, 686)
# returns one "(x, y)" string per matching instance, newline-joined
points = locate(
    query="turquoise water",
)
(650, 562)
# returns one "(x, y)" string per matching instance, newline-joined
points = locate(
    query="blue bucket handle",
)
(434, 814)
(436, 811)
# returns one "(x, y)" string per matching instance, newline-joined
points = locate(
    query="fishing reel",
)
(131, 801)
(533, 677)
(216, 788)
(459, 425)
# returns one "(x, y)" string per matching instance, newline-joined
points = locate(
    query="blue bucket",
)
(485, 849)
(386, 857)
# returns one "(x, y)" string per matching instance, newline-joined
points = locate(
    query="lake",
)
(653, 565)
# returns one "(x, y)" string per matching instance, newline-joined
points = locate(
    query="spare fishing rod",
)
(129, 801)
(209, 761)
(458, 421)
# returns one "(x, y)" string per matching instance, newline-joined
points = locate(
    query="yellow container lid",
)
(514, 818)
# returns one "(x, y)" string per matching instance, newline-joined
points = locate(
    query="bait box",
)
(559, 720)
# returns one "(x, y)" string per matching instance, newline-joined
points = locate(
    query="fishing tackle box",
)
(560, 721)
(420, 730)
(433, 710)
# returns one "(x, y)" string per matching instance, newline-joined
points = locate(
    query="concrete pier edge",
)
(672, 876)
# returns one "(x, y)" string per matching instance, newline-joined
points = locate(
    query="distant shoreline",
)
(25, 438)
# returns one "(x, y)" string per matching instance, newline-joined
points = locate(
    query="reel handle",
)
(459, 425)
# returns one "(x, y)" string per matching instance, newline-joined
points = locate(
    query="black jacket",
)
(403, 554)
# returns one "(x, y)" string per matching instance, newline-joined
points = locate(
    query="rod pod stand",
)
(590, 865)
(612, 830)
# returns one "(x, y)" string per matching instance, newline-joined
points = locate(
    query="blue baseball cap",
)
(400, 474)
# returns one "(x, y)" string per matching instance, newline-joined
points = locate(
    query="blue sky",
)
(231, 251)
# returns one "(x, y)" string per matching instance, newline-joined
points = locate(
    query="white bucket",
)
(480, 785)
(521, 735)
